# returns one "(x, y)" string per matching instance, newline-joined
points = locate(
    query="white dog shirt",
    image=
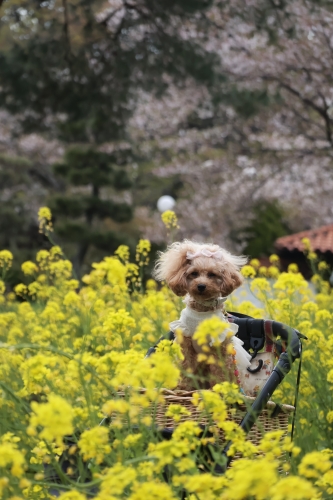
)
(251, 383)
(189, 321)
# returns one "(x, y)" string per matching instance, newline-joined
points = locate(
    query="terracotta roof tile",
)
(321, 240)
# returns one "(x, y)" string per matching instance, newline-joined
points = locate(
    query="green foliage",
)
(74, 73)
(91, 170)
(15, 176)
(18, 229)
(83, 166)
(12, 169)
(93, 206)
(69, 63)
(267, 225)
(248, 102)
(110, 240)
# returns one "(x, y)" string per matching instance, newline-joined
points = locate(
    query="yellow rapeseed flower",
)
(274, 259)
(6, 259)
(211, 330)
(260, 287)
(273, 272)
(116, 406)
(325, 482)
(229, 392)
(291, 283)
(322, 266)
(45, 220)
(262, 271)
(151, 284)
(142, 252)
(293, 268)
(170, 220)
(173, 349)
(132, 439)
(29, 268)
(255, 476)
(114, 481)
(293, 488)
(21, 289)
(11, 456)
(176, 412)
(306, 244)
(248, 271)
(255, 263)
(152, 490)
(314, 464)
(55, 417)
(132, 272)
(72, 495)
(123, 253)
(95, 443)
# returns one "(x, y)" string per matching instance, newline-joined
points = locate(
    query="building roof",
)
(321, 240)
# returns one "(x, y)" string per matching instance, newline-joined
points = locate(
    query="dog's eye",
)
(194, 274)
(211, 275)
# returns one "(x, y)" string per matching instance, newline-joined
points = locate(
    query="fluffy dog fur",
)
(202, 279)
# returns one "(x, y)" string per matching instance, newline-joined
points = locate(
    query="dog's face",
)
(187, 269)
(204, 279)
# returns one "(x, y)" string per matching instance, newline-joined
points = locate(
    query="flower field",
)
(67, 350)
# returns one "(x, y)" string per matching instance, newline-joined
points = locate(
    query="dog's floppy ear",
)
(230, 272)
(231, 279)
(171, 267)
(178, 284)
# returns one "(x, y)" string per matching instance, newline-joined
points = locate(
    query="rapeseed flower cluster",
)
(170, 220)
(45, 220)
(80, 404)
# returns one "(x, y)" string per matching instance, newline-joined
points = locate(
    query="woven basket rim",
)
(179, 395)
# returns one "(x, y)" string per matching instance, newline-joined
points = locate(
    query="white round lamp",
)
(165, 203)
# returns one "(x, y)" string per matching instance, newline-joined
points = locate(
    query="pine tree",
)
(74, 69)
(93, 172)
(18, 226)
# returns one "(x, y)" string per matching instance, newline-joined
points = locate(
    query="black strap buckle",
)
(256, 343)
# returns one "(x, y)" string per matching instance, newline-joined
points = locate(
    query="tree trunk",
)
(84, 247)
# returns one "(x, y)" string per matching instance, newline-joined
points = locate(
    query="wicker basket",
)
(268, 420)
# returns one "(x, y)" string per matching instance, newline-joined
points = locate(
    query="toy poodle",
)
(205, 274)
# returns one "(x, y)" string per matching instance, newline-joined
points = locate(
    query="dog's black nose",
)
(201, 288)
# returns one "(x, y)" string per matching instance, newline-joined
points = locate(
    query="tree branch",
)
(110, 16)
(327, 119)
(66, 33)
(321, 111)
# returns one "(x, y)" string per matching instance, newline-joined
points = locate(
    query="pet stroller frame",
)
(255, 333)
